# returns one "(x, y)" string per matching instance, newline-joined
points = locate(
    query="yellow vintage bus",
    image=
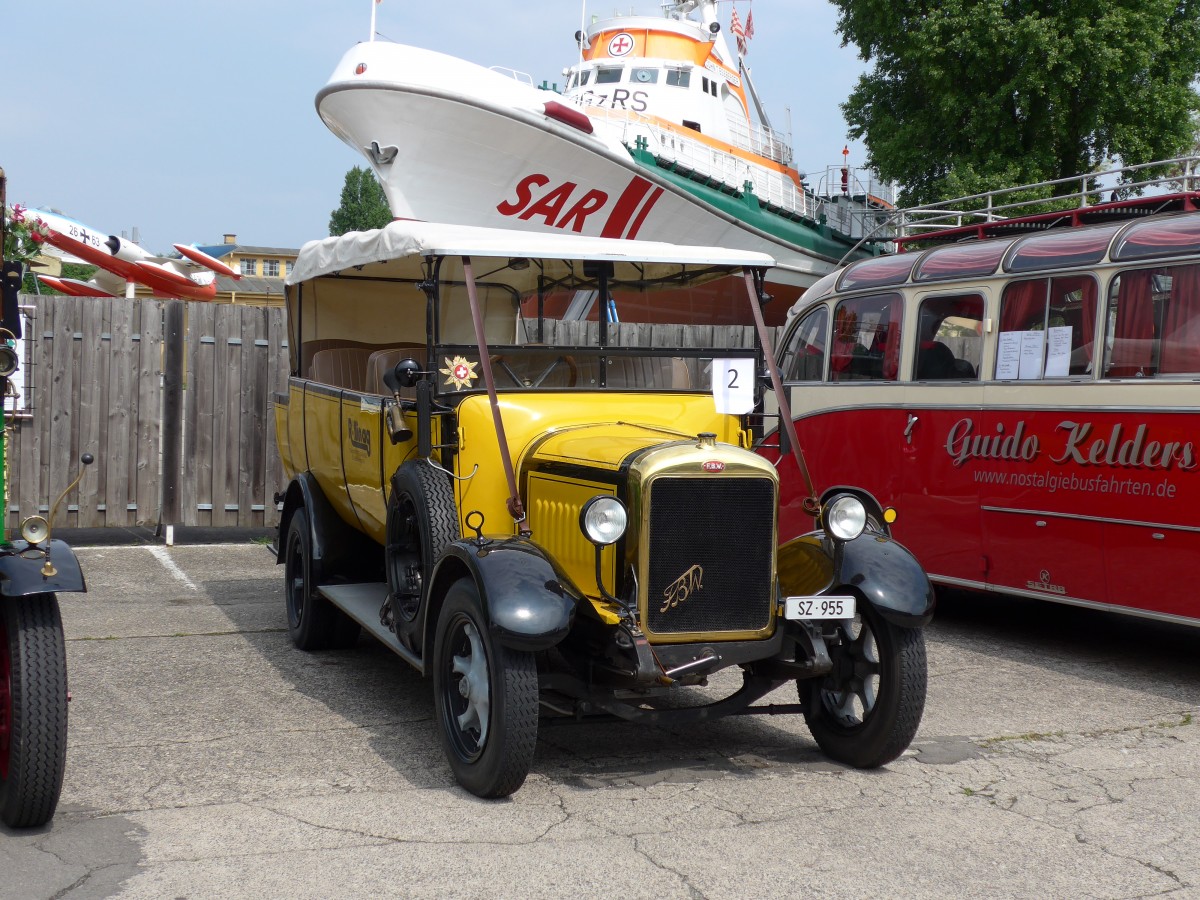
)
(511, 463)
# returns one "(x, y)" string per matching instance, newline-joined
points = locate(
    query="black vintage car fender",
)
(21, 575)
(883, 571)
(529, 604)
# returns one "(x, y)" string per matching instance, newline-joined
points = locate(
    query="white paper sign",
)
(1058, 356)
(1008, 356)
(733, 385)
(1032, 343)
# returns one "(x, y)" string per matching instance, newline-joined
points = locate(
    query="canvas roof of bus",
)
(398, 250)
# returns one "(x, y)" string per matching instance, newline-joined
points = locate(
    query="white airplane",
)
(121, 262)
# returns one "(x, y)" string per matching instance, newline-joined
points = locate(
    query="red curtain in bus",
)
(1024, 305)
(891, 347)
(1133, 337)
(1181, 330)
(1086, 285)
(845, 333)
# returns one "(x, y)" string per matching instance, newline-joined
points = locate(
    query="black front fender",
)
(21, 575)
(883, 571)
(529, 604)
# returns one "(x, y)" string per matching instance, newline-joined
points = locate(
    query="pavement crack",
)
(694, 892)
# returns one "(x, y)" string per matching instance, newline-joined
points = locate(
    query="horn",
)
(35, 529)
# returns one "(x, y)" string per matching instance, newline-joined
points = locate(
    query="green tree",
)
(364, 205)
(75, 271)
(969, 95)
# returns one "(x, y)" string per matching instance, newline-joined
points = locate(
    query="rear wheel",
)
(486, 697)
(33, 709)
(866, 711)
(313, 622)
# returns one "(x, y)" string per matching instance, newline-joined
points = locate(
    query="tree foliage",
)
(970, 95)
(75, 271)
(364, 205)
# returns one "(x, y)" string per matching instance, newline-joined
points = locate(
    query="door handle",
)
(912, 420)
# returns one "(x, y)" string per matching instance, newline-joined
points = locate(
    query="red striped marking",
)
(627, 205)
(641, 216)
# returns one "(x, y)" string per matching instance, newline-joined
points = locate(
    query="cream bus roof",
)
(398, 249)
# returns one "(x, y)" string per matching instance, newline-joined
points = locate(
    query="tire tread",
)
(38, 737)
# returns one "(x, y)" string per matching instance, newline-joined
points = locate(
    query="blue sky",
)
(190, 120)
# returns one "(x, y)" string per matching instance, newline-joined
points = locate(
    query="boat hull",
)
(492, 156)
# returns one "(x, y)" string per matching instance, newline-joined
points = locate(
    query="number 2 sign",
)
(733, 385)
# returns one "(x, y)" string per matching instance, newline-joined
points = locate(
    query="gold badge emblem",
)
(682, 587)
(459, 372)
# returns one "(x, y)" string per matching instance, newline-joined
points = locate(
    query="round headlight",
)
(603, 520)
(845, 517)
(35, 529)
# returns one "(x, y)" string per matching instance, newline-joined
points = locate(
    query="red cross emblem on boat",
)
(620, 44)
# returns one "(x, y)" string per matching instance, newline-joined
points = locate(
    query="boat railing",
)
(774, 188)
(1181, 174)
(760, 139)
(514, 74)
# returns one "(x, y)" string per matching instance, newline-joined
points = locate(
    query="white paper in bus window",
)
(733, 385)
(1008, 356)
(1058, 356)
(1032, 343)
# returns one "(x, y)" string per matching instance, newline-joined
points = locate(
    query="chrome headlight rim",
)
(604, 520)
(35, 530)
(844, 517)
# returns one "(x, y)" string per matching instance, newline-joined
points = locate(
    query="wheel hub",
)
(473, 685)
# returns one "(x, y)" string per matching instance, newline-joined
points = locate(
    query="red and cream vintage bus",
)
(1026, 407)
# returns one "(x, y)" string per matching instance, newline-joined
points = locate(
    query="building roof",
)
(249, 284)
(220, 250)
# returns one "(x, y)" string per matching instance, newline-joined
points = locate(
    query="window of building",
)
(248, 267)
(270, 268)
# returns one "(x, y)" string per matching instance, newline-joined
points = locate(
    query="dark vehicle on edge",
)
(33, 659)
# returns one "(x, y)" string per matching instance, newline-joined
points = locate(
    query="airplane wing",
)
(192, 277)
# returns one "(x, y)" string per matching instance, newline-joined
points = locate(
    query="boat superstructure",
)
(658, 134)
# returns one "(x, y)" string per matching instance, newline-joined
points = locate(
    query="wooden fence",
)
(173, 400)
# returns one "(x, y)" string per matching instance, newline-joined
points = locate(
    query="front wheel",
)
(865, 712)
(33, 709)
(486, 697)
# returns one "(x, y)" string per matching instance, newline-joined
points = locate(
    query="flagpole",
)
(374, 3)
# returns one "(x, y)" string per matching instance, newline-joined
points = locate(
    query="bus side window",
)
(866, 339)
(804, 356)
(1181, 324)
(1154, 323)
(1131, 347)
(1059, 315)
(950, 338)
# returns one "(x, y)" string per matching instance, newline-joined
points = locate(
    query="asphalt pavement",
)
(209, 758)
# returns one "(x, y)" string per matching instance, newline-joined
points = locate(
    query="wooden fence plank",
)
(200, 402)
(147, 476)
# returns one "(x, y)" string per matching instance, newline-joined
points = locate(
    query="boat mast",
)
(374, 4)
